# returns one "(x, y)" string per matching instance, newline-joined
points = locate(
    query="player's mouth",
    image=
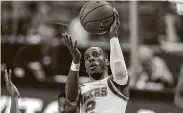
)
(92, 66)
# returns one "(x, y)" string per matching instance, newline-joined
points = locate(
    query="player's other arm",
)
(117, 62)
(72, 83)
(14, 105)
(13, 92)
(178, 98)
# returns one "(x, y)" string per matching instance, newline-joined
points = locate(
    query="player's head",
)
(64, 106)
(146, 54)
(96, 62)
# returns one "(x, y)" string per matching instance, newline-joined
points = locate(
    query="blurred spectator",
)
(6, 9)
(39, 18)
(153, 72)
(42, 54)
(64, 105)
(15, 18)
(20, 17)
(172, 24)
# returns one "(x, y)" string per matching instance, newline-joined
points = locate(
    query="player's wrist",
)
(76, 61)
(75, 66)
(14, 96)
(114, 39)
(113, 36)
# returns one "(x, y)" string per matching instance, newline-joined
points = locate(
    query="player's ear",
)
(107, 62)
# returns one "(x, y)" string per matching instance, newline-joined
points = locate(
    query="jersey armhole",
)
(115, 90)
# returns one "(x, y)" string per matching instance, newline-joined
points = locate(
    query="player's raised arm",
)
(13, 92)
(72, 83)
(117, 62)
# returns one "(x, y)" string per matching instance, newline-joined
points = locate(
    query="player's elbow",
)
(71, 97)
(123, 80)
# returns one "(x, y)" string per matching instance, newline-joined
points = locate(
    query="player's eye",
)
(96, 54)
(87, 57)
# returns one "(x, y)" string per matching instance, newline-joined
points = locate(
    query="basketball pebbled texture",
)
(96, 17)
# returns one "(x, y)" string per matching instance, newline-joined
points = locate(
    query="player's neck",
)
(104, 75)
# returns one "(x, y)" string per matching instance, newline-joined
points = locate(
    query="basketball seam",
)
(84, 9)
(98, 20)
(91, 29)
(93, 10)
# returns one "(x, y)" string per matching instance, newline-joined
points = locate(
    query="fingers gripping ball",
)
(96, 17)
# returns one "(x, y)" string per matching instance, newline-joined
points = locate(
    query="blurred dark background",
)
(32, 46)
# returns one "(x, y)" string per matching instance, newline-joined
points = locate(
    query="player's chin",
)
(94, 71)
(96, 75)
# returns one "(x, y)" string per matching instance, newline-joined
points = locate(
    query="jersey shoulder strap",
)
(121, 91)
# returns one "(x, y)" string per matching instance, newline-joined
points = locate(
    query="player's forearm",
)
(117, 62)
(179, 89)
(14, 105)
(178, 100)
(72, 86)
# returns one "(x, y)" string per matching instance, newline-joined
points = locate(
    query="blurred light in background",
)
(179, 7)
(19, 72)
(77, 32)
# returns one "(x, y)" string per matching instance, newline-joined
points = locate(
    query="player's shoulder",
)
(103, 81)
(121, 91)
(85, 84)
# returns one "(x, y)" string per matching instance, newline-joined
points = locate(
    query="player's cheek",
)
(98, 60)
(86, 64)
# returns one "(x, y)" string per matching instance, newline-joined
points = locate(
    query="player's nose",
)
(91, 58)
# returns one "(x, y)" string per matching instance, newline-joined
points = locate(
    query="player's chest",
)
(99, 92)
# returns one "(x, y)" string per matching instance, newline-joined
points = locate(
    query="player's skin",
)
(13, 91)
(95, 62)
(65, 106)
(178, 98)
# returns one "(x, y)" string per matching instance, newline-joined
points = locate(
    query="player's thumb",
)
(17, 92)
(116, 15)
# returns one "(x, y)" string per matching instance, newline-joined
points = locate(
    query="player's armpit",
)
(121, 91)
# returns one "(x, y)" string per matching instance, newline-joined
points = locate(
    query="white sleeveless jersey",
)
(102, 97)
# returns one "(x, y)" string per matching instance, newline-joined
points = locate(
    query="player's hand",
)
(76, 55)
(114, 27)
(10, 87)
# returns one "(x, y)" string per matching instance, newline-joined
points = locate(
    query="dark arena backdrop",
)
(32, 46)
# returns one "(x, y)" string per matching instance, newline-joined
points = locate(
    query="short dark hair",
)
(61, 94)
(104, 52)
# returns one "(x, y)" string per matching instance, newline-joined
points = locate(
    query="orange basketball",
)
(96, 17)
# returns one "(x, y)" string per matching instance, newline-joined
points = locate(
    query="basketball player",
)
(13, 92)
(105, 93)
